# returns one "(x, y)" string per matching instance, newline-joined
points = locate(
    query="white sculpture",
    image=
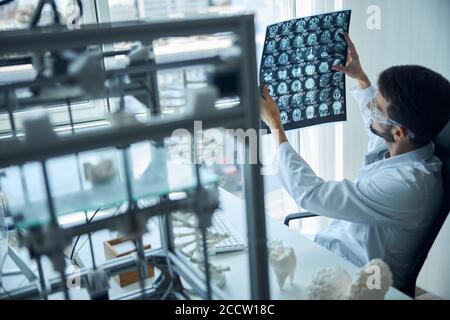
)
(101, 172)
(188, 240)
(371, 283)
(283, 261)
(329, 284)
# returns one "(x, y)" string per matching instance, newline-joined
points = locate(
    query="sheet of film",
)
(296, 65)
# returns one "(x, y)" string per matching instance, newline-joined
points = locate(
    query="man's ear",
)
(400, 133)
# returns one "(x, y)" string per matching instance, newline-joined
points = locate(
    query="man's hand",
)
(270, 114)
(353, 67)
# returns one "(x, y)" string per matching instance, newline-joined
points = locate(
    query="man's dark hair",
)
(419, 99)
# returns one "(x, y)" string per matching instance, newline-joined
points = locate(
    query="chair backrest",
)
(442, 151)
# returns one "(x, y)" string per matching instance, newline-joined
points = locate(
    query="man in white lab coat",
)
(388, 210)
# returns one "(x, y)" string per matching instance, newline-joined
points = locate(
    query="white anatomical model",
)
(371, 283)
(188, 240)
(329, 284)
(283, 261)
(101, 172)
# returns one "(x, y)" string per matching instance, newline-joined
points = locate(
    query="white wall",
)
(412, 32)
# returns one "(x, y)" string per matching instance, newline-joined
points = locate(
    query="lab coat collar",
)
(421, 154)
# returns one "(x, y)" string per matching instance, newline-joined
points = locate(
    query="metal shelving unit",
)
(47, 238)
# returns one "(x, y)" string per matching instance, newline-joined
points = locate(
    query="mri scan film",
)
(296, 66)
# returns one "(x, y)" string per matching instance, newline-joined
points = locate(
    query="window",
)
(321, 146)
(17, 15)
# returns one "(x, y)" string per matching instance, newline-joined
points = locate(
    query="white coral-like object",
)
(329, 284)
(371, 283)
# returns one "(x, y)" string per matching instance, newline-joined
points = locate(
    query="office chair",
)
(442, 151)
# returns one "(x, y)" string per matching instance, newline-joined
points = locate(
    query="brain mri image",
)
(324, 94)
(327, 21)
(268, 76)
(311, 53)
(296, 115)
(300, 26)
(312, 39)
(324, 51)
(282, 88)
(296, 86)
(309, 84)
(310, 97)
(297, 56)
(337, 94)
(283, 101)
(297, 100)
(270, 61)
(296, 64)
(323, 110)
(338, 36)
(284, 44)
(283, 58)
(286, 28)
(324, 80)
(325, 37)
(284, 117)
(296, 72)
(323, 67)
(341, 18)
(310, 112)
(273, 30)
(310, 69)
(337, 107)
(271, 46)
(282, 74)
(298, 41)
(314, 24)
(338, 78)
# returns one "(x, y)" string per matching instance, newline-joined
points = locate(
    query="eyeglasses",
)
(378, 116)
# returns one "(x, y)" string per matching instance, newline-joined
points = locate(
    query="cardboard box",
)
(120, 247)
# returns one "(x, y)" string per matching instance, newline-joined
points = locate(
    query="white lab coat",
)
(385, 213)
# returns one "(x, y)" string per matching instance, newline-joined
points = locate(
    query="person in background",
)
(389, 208)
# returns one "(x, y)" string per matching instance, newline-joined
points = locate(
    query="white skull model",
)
(371, 283)
(283, 261)
(337, 107)
(310, 112)
(323, 110)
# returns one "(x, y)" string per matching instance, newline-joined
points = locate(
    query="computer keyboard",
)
(221, 225)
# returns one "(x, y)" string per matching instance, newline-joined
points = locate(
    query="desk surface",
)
(310, 257)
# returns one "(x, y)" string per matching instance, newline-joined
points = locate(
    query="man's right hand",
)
(353, 67)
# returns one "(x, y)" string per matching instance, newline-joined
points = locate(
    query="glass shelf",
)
(152, 173)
